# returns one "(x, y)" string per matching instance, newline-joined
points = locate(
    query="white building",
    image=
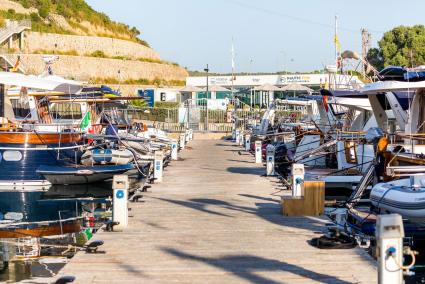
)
(248, 81)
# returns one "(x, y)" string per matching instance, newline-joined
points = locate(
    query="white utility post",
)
(182, 141)
(258, 152)
(241, 139)
(237, 136)
(298, 173)
(271, 150)
(186, 136)
(389, 235)
(174, 150)
(120, 186)
(247, 142)
(158, 166)
(190, 134)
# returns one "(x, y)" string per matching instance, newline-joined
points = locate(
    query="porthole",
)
(12, 156)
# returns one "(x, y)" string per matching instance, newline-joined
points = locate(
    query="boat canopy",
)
(391, 86)
(343, 93)
(51, 83)
(398, 73)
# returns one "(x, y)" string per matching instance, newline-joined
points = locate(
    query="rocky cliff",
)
(90, 46)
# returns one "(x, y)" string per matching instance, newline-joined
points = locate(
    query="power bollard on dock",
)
(247, 142)
(186, 136)
(237, 136)
(270, 160)
(298, 173)
(120, 186)
(389, 235)
(158, 166)
(182, 141)
(241, 139)
(174, 150)
(258, 152)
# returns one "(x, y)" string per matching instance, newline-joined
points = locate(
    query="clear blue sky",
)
(267, 34)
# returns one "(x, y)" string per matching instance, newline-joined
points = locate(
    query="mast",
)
(336, 40)
(233, 67)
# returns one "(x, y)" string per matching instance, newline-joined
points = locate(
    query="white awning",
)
(52, 83)
(267, 88)
(389, 86)
(296, 87)
(190, 89)
(215, 88)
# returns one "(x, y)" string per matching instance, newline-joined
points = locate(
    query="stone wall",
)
(86, 68)
(85, 45)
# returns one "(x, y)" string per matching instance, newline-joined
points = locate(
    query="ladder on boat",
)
(315, 150)
(361, 187)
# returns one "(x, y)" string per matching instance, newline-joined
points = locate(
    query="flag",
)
(337, 43)
(86, 122)
(16, 66)
(325, 103)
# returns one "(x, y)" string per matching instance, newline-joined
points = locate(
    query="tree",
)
(402, 46)
(374, 57)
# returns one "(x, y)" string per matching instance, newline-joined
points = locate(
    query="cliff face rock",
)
(86, 45)
(91, 68)
(90, 46)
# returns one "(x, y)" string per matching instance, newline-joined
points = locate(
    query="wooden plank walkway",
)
(214, 219)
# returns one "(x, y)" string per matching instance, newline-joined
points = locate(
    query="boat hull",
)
(400, 197)
(81, 175)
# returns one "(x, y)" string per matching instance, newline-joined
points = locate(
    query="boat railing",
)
(50, 127)
(405, 171)
(350, 135)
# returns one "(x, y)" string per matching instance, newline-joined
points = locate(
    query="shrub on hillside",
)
(98, 53)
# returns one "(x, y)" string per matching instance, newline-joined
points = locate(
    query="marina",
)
(198, 225)
(270, 153)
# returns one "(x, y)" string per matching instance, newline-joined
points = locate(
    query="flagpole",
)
(336, 41)
(233, 67)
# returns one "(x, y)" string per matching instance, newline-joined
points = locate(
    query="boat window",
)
(12, 156)
(21, 108)
(66, 111)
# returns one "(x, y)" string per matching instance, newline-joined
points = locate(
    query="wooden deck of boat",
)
(214, 219)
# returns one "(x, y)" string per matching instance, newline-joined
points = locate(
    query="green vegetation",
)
(167, 105)
(76, 12)
(142, 81)
(72, 52)
(98, 53)
(402, 46)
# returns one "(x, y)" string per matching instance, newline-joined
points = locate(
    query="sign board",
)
(148, 95)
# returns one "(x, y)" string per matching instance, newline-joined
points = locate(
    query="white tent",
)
(190, 89)
(267, 88)
(296, 87)
(266, 96)
(215, 89)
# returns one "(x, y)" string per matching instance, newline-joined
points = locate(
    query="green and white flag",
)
(86, 122)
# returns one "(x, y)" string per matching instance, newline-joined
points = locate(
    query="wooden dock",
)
(214, 219)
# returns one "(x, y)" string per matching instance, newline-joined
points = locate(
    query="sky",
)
(268, 35)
